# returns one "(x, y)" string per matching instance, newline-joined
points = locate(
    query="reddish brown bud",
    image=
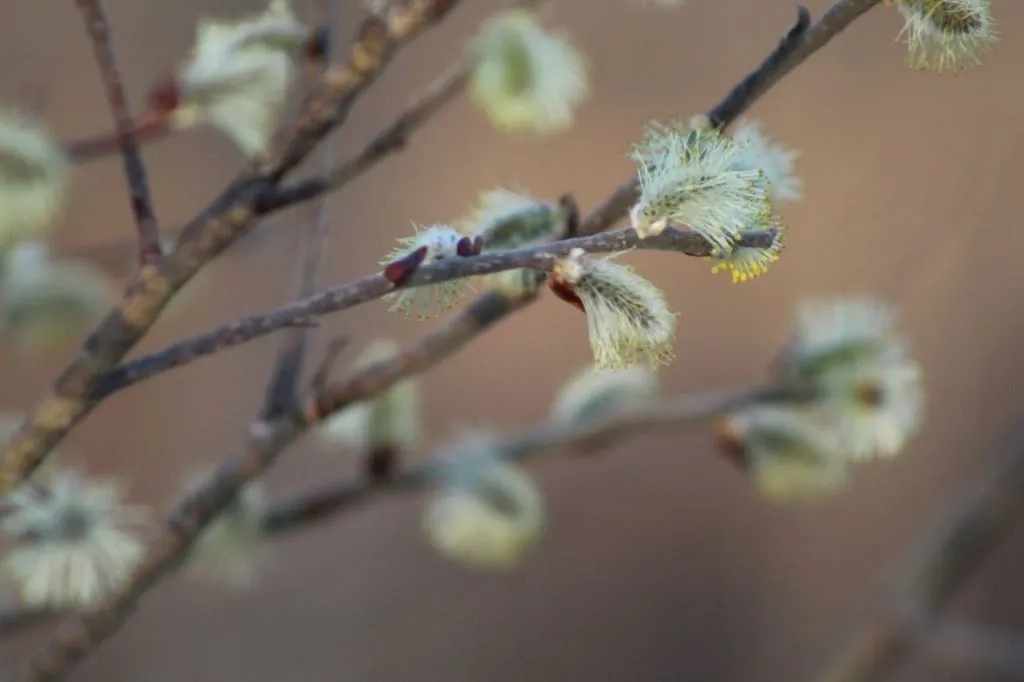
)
(165, 95)
(563, 290)
(478, 245)
(464, 247)
(318, 44)
(404, 268)
(870, 394)
(381, 463)
(729, 442)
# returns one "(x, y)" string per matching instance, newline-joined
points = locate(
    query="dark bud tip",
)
(165, 95)
(381, 463)
(571, 210)
(730, 443)
(318, 44)
(465, 247)
(564, 290)
(478, 245)
(870, 395)
(403, 268)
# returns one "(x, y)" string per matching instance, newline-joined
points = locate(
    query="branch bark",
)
(974, 525)
(80, 634)
(345, 496)
(282, 393)
(146, 225)
(799, 43)
(229, 217)
(370, 288)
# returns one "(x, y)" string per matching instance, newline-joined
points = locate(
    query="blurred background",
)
(661, 563)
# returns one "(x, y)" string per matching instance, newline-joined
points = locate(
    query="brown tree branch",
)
(344, 496)
(229, 217)
(974, 524)
(374, 287)
(389, 140)
(282, 394)
(973, 646)
(80, 634)
(799, 43)
(150, 251)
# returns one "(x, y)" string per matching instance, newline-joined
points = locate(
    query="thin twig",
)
(282, 392)
(99, 146)
(374, 287)
(973, 646)
(16, 619)
(389, 140)
(96, 24)
(973, 526)
(799, 43)
(231, 216)
(80, 634)
(323, 371)
(344, 496)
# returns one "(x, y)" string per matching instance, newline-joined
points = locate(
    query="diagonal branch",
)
(283, 386)
(547, 438)
(389, 140)
(96, 24)
(799, 43)
(82, 633)
(374, 287)
(232, 215)
(974, 524)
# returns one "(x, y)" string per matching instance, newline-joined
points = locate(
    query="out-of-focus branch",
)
(973, 646)
(370, 288)
(81, 634)
(282, 392)
(229, 217)
(973, 526)
(146, 226)
(799, 43)
(547, 438)
(389, 140)
(84, 149)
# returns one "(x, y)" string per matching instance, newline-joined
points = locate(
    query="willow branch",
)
(346, 496)
(146, 226)
(282, 394)
(82, 633)
(389, 140)
(370, 288)
(229, 217)
(799, 43)
(973, 646)
(974, 525)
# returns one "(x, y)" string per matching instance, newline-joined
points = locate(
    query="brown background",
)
(660, 563)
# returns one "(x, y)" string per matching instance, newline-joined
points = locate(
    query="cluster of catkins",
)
(854, 393)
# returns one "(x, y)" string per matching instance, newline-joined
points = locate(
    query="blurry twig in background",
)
(974, 646)
(343, 496)
(149, 248)
(974, 524)
(283, 386)
(392, 138)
